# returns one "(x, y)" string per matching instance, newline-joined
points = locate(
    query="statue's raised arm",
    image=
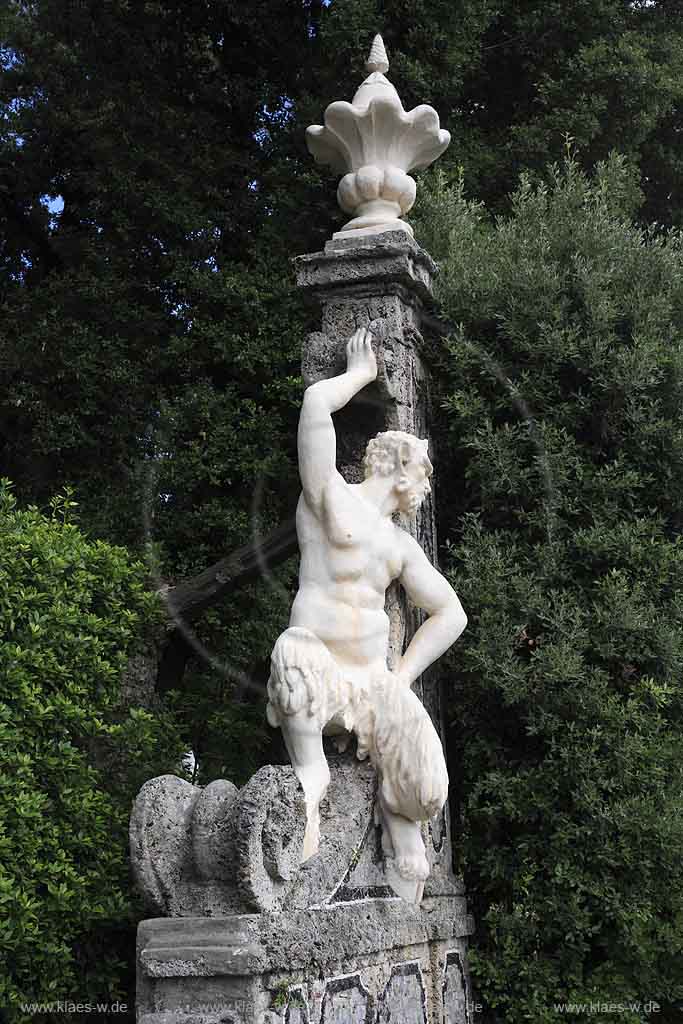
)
(316, 438)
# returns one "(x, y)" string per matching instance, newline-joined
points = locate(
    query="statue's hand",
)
(360, 359)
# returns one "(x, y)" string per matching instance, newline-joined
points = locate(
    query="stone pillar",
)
(383, 281)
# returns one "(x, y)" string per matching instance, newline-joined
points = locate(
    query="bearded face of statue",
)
(402, 457)
(413, 471)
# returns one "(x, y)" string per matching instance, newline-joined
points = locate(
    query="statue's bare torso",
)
(349, 556)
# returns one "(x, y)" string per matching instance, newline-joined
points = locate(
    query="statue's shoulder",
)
(400, 539)
(407, 547)
(334, 497)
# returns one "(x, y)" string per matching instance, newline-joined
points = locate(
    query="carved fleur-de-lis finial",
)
(374, 142)
(377, 58)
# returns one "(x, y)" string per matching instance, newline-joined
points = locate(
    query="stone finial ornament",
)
(374, 142)
(377, 58)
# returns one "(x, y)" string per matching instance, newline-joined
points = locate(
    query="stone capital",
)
(384, 263)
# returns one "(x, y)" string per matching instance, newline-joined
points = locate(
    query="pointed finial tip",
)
(377, 58)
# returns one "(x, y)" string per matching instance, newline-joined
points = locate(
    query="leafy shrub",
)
(561, 481)
(71, 757)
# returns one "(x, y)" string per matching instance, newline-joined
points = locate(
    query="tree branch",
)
(244, 565)
(190, 598)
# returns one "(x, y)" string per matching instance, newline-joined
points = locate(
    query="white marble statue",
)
(329, 668)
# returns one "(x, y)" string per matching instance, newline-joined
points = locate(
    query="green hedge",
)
(560, 472)
(71, 758)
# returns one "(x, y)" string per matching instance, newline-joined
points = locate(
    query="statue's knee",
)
(415, 798)
(287, 694)
(299, 665)
(433, 775)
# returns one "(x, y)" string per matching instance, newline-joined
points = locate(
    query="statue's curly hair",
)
(382, 454)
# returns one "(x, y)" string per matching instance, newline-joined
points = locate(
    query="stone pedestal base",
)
(371, 961)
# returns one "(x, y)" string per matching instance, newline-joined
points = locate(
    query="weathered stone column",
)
(383, 281)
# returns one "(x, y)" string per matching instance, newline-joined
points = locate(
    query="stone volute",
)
(374, 142)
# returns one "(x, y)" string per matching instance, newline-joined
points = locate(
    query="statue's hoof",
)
(403, 881)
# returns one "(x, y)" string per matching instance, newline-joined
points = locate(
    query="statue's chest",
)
(347, 523)
(362, 544)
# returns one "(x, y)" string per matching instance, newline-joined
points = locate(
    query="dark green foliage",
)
(160, 298)
(561, 481)
(221, 705)
(150, 331)
(71, 757)
(161, 279)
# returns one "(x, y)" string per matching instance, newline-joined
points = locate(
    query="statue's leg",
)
(407, 752)
(305, 690)
(405, 851)
(304, 741)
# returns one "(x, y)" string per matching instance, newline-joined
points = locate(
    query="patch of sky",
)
(207, 237)
(9, 58)
(13, 108)
(20, 103)
(55, 204)
(273, 117)
(179, 308)
(19, 275)
(312, 27)
(262, 136)
(7, 115)
(180, 311)
(16, 139)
